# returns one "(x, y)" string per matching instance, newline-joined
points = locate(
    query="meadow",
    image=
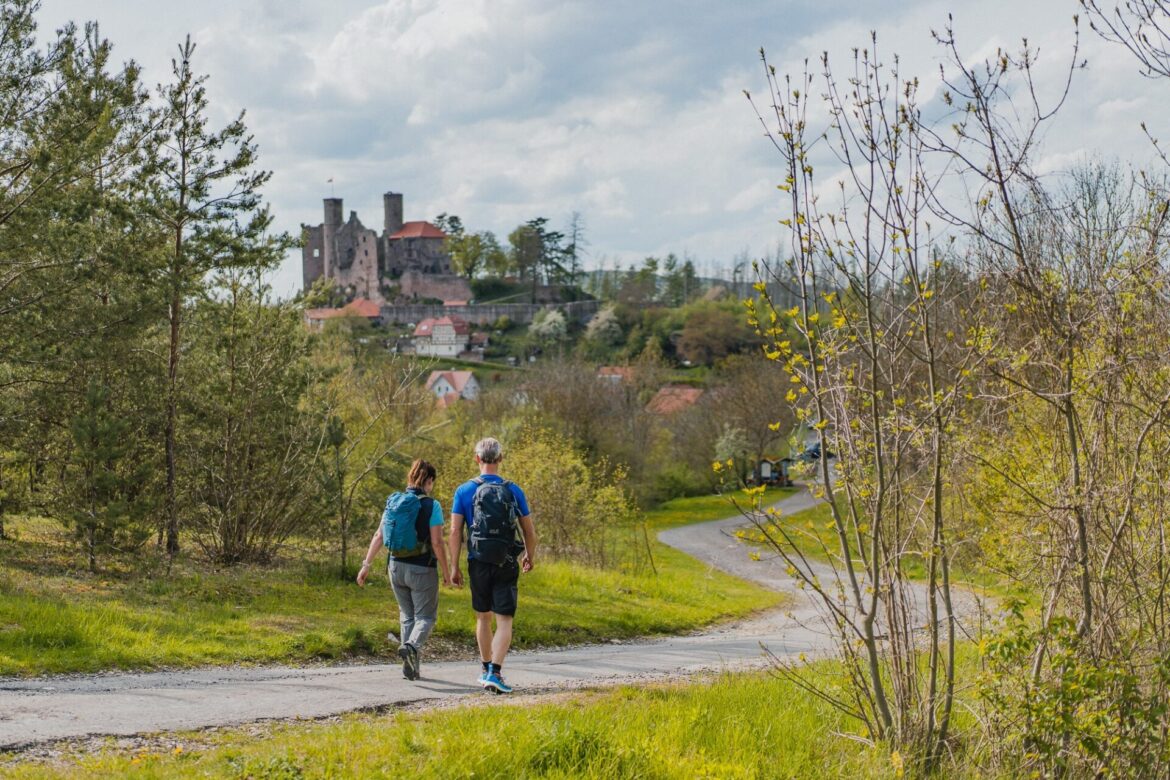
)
(57, 618)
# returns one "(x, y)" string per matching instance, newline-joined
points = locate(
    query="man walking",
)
(501, 543)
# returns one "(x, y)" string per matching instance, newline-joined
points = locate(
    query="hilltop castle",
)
(407, 261)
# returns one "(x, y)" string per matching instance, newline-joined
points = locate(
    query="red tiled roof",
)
(461, 327)
(673, 398)
(359, 307)
(362, 307)
(321, 314)
(419, 229)
(457, 379)
(427, 326)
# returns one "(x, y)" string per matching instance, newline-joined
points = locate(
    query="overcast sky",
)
(631, 113)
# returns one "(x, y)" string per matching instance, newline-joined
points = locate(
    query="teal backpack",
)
(406, 524)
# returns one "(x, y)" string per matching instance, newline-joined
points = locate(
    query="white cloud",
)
(438, 58)
(504, 110)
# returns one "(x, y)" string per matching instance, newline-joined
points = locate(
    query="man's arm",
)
(454, 548)
(528, 529)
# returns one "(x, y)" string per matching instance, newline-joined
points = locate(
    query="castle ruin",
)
(408, 261)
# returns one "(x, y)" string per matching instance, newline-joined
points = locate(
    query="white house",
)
(442, 337)
(450, 386)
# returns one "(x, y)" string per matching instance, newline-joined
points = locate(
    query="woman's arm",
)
(439, 547)
(375, 546)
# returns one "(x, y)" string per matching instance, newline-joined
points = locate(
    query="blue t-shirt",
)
(465, 494)
(428, 558)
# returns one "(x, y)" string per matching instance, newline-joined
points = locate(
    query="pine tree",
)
(207, 199)
(98, 487)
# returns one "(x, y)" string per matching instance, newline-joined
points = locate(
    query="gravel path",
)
(40, 710)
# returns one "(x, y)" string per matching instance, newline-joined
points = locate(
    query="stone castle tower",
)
(366, 264)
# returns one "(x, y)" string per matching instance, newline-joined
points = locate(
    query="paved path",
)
(44, 709)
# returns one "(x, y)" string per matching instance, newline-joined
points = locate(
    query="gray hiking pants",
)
(417, 590)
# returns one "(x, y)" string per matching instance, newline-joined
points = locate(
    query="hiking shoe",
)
(495, 683)
(409, 656)
(483, 678)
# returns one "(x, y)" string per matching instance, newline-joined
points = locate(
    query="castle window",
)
(316, 253)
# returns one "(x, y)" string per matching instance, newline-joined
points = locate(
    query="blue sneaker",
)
(483, 678)
(495, 683)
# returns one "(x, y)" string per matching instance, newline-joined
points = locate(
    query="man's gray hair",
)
(489, 450)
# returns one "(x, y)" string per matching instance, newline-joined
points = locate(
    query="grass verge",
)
(56, 618)
(683, 511)
(747, 725)
(812, 532)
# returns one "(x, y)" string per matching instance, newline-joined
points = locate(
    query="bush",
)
(577, 505)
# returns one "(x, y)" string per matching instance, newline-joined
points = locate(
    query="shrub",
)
(578, 506)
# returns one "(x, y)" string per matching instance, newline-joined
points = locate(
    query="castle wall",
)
(445, 287)
(487, 313)
(329, 230)
(312, 254)
(391, 213)
(425, 254)
(357, 266)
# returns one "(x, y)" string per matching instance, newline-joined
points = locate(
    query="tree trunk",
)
(91, 545)
(3, 535)
(341, 518)
(172, 518)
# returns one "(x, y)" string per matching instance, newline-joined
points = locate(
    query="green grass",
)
(748, 725)
(56, 618)
(681, 511)
(812, 532)
(487, 367)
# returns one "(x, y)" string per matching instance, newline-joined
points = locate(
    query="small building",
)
(359, 307)
(442, 337)
(673, 399)
(616, 374)
(450, 386)
(772, 471)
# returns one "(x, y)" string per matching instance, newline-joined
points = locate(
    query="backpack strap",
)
(481, 481)
(422, 523)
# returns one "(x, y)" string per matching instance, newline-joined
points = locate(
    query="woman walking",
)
(412, 530)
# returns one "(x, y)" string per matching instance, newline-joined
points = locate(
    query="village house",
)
(359, 307)
(451, 386)
(616, 374)
(442, 337)
(771, 471)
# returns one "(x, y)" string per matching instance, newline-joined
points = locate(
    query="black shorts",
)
(493, 588)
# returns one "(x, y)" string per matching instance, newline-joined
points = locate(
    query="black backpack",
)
(495, 534)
